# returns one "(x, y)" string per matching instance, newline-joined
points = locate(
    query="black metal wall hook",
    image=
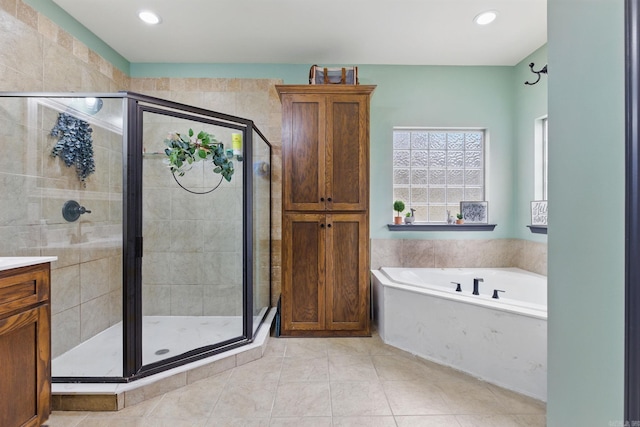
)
(542, 71)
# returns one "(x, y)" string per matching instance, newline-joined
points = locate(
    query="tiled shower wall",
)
(36, 55)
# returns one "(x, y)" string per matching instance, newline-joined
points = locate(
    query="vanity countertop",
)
(7, 263)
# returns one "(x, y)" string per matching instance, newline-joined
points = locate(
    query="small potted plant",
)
(398, 206)
(460, 219)
(409, 217)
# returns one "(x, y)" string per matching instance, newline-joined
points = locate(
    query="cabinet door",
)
(347, 152)
(347, 272)
(26, 372)
(303, 276)
(303, 148)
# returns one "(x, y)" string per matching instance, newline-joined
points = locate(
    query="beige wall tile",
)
(94, 317)
(65, 331)
(27, 14)
(65, 288)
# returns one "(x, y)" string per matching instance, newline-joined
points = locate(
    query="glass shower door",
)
(193, 251)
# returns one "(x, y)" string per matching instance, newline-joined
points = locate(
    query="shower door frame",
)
(133, 367)
(132, 239)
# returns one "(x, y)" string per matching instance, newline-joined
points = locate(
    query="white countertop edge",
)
(7, 263)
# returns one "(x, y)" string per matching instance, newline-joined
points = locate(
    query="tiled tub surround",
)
(524, 254)
(419, 310)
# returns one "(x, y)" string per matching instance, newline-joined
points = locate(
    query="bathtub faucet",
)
(475, 285)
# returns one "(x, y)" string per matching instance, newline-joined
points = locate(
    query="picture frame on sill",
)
(475, 212)
(539, 212)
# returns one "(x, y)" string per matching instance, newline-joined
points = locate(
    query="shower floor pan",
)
(102, 356)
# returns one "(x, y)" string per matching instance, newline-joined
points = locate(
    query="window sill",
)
(538, 229)
(441, 227)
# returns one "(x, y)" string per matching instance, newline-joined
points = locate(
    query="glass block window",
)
(433, 170)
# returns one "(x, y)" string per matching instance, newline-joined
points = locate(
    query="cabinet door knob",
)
(328, 225)
(322, 199)
(321, 225)
(329, 199)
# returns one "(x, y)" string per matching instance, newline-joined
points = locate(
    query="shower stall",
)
(155, 268)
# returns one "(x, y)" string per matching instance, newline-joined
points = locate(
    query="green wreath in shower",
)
(184, 150)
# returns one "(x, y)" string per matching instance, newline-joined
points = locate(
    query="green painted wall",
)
(530, 104)
(413, 96)
(586, 219)
(442, 97)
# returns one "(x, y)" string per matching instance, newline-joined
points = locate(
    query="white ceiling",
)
(407, 32)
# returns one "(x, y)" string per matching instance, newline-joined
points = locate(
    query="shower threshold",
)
(181, 334)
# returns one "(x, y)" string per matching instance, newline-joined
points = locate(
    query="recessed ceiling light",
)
(486, 17)
(149, 17)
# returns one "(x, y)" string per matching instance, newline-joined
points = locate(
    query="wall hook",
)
(542, 71)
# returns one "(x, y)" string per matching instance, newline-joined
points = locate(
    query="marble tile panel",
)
(248, 356)
(427, 421)
(95, 316)
(418, 253)
(94, 279)
(301, 422)
(215, 421)
(415, 398)
(156, 204)
(470, 397)
(351, 368)
(304, 347)
(263, 369)
(379, 421)
(140, 394)
(192, 402)
(186, 300)
(65, 331)
(9, 6)
(20, 37)
(301, 369)
(251, 400)
(386, 253)
(302, 399)
(65, 288)
(185, 268)
(157, 235)
(27, 14)
(399, 367)
(496, 421)
(14, 80)
(517, 403)
(361, 398)
(211, 369)
(221, 300)
(156, 300)
(66, 419)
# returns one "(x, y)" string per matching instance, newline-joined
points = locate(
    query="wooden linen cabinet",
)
(325, 200)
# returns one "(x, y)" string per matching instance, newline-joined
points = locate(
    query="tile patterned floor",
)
(323, 382)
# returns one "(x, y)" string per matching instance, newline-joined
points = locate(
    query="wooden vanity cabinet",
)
(25, 346)
(325, 201)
